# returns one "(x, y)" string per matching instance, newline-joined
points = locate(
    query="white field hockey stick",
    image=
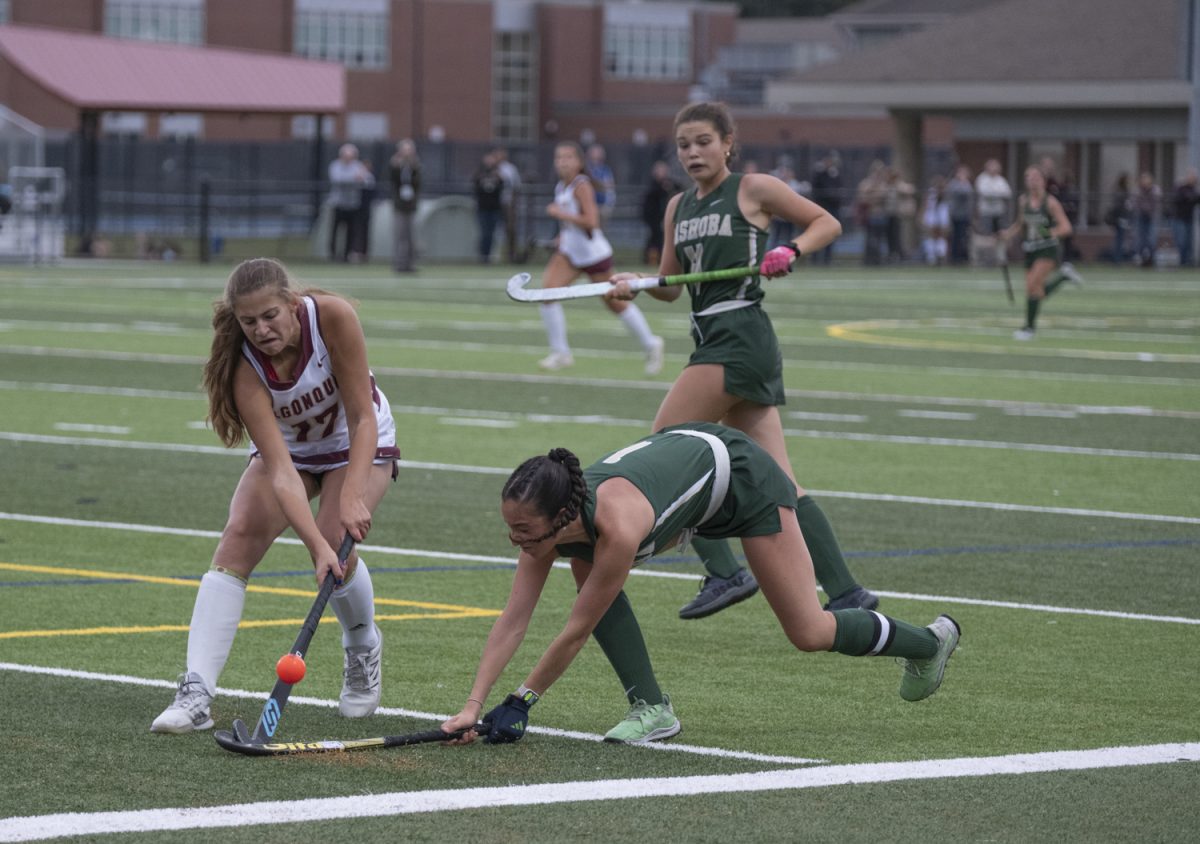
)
(517, 284)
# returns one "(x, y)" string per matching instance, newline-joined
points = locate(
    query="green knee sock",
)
(828, 562)
(1054, 282)
(620, 638)
(1031, 312)
(717, 557)
(868, 633)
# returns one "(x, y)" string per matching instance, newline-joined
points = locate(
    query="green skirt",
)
(743, 341)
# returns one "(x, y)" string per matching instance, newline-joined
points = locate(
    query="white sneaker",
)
(556, 360)
(654, 356)
(190, 710)
(361, 684)
(1071, 274)
(1023, 334)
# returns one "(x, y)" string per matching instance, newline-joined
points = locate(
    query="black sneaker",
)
(856, 599)
(717, 593)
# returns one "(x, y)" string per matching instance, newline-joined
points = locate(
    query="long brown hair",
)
(250, 276)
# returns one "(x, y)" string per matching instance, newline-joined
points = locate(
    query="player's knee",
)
(808, 639)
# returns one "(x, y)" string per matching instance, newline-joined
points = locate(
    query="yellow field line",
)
(195, 584)
(864, 332)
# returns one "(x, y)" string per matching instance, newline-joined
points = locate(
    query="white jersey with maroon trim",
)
(309, 409)
(582, 248)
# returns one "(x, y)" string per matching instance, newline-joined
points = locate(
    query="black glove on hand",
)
(507, 721)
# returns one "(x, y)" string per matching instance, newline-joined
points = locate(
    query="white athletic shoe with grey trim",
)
(190, 710)
(361, 681)
(556, 360)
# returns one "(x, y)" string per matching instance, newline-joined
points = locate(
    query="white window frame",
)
(354, 33)
(167, 21)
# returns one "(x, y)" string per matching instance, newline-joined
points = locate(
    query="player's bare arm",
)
(254, 407)
(348, 356)
(1062, 226)
(761, 197)
(623, 517)
(505, 637)
(668, 265)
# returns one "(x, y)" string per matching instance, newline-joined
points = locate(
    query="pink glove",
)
(778, 261)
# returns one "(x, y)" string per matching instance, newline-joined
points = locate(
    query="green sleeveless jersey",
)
(676, 470)
(1038, 223)
(712, 234)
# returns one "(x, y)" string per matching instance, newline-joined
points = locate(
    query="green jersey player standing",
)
(735, 373)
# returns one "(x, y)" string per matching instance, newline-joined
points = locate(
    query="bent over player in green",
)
(696, 479)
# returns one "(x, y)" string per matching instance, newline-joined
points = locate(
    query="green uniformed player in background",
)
(1043, 223)
(695, 479)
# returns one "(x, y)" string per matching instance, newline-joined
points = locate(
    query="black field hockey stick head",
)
(233, 744)
(1008, 288)
(268, 721)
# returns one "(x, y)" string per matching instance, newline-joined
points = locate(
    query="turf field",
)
(1045, 494)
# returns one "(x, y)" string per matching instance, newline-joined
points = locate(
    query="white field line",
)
(424, 554)
(402, 713)
(452, 800)
(971, 372)
(1007, 405)
(500, 471)
(497, 419)
(956, 442)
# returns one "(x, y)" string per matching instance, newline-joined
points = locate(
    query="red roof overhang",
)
(94, 72)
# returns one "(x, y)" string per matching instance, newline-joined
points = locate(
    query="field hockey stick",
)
(268, 722)
(1008, 283)
(233, 744)
(517, 284)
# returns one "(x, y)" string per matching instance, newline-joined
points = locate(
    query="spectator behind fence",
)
(1183, 212)
(1120, 217)
(935, 222)
(603, 179)
(827, 192)
(654, 208)
(1146, 200)
(511, 177)
(361, 249)
(993, 199)
(868, 212)
(960, 199)
(993, 195)
(489, 188)
(899, 208)
(405, 172)
(346, 175)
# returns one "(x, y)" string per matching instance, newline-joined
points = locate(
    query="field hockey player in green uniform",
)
(1045, 224)
(735, 374)
(696, 479)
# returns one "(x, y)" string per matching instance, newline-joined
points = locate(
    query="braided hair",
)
(553, 483)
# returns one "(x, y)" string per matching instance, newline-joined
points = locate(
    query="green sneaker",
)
(922, 677)
(645, 723)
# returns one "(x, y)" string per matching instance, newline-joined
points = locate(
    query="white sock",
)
(354, 606)
(556, 327)
(635, 321)
(215, 620)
